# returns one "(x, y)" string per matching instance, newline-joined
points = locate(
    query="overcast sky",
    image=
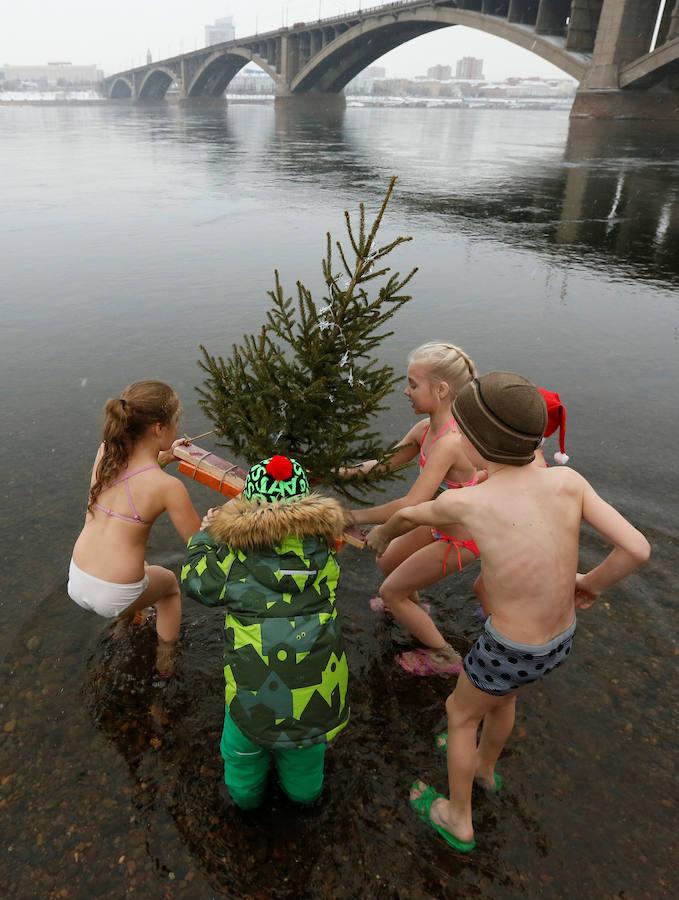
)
(116, 36)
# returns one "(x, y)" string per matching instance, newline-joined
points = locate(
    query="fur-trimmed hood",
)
(244, 525)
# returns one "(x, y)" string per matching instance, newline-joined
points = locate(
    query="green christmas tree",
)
(308, 385)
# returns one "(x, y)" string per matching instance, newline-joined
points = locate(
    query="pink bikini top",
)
(134, 519)
(445, 484)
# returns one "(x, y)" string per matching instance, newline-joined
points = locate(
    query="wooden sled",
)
(211, 470)
(229, 480)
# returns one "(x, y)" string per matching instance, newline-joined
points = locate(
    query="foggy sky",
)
(116, 36)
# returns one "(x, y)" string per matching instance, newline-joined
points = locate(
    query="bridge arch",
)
(214, 75)
(121, 89)
(156, 82)
(341, 60)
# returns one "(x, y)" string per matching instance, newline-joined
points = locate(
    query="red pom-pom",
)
(280, 468)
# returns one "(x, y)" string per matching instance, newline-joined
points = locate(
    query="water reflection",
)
(612, 199)
(618, 208)
(610, 196)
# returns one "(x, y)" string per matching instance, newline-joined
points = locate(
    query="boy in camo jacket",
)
(269, 558)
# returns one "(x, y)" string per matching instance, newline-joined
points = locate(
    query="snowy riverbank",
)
(38, 97)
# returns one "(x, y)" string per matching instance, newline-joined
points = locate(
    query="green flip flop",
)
(422, 806)
(441, 742)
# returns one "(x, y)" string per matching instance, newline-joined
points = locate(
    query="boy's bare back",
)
(526, 522)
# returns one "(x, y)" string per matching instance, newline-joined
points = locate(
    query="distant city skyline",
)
(34, 33)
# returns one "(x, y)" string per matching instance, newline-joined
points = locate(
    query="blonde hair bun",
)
(446, 362)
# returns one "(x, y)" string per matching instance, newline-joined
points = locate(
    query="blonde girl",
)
(128, 491)
(436, 372)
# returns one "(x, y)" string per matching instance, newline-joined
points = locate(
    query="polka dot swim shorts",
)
(498, 666)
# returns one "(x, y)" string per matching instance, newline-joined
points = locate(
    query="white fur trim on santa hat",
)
(561, 458)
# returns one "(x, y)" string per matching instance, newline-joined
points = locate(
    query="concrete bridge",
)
(604, 44)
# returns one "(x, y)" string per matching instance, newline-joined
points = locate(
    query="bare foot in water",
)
(165, 658)
(125, 622)
(441, 814)
(119, 629)
(141, 616)
(488, 779)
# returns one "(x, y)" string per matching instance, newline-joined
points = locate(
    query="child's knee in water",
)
(392, 598)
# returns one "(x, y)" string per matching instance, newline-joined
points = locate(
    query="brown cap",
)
(504, 417)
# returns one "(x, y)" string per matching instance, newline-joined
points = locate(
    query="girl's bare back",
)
(113, 548)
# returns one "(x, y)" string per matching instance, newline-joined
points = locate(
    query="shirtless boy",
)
(526, 522)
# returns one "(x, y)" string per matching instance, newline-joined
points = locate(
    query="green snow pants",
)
(246, 768)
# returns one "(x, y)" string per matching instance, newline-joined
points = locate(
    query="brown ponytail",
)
(126, 420)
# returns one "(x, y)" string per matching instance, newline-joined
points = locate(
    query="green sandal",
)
(422, 806)
(441, 742)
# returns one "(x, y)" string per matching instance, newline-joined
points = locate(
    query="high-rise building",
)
(364, 81)
(223, 30)
(469, 68)
(440, 73)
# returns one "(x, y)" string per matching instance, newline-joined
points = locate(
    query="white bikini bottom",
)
(102, 597)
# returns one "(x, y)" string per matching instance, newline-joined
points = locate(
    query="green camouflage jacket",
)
(273, 566)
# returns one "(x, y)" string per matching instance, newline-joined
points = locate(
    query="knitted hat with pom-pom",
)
(276, 478)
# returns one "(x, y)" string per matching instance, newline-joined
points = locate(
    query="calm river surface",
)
(130, 235)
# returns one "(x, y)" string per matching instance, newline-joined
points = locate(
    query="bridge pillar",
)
(583, 25)
(625, 32)
(284, 67)
(523, 12)
(674, 23)
(313, 103)
(183, 80)
(552, 17)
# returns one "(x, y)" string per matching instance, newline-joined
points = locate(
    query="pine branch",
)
(308, 383)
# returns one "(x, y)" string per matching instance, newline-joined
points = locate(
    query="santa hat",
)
(556, 418)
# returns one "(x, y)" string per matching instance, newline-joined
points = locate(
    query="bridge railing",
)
(261, 36)
(367, 11)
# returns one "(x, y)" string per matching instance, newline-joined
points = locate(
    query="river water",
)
(131, 235)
